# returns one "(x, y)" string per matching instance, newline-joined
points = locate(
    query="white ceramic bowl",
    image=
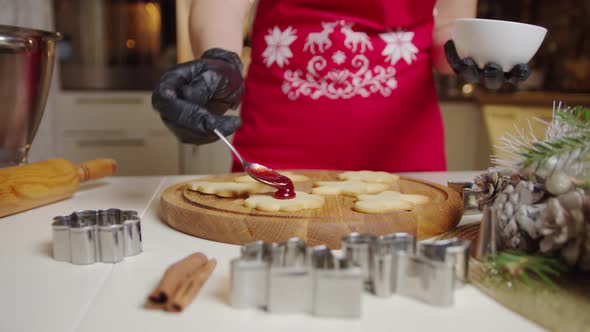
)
(503, 42)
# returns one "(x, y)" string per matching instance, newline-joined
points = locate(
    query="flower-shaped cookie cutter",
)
(89, 236)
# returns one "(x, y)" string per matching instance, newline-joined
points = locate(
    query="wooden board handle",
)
(96, 169)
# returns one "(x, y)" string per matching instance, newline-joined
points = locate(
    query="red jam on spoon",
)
(279, 181)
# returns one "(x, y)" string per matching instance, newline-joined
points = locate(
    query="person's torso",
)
(328, 75)
(339, 48)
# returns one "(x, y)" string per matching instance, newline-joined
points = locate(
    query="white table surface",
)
(41, 294)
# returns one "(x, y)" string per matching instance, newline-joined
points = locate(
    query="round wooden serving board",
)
(228, 220)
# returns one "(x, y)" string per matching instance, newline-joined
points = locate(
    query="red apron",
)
(343, 85)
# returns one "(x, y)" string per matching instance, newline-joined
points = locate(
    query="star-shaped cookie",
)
(388, 201)
(348, 188)
(301, 201)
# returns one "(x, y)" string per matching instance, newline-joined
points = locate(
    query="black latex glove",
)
(192, 97)
(491, 76)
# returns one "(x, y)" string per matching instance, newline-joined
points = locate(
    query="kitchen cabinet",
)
(119, 125)
(529, 111)
(466, 142)
(503, 119)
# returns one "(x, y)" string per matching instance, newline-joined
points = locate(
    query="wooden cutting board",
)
(227, 220)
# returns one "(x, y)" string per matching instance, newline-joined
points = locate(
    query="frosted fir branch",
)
(555, 128)
(569, 121)
(575, 122)
(513, 145)
(568, 132)
(558, 145)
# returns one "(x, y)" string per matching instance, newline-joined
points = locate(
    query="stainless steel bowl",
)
(27, 58)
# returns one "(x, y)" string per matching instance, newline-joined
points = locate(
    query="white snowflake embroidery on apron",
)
(277, 46)
(316, 81)
(399, 46)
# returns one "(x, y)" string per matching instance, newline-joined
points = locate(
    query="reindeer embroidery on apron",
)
(358, 77)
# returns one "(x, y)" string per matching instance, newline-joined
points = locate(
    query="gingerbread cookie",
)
(228, 189)
(348, 188)
(302, 201)
(294, 177)
(369, 176)
(388, 201)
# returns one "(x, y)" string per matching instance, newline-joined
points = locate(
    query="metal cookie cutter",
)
(86, 237)
(433, 273)
(424, 279)
(337, 286)
(394, 263)
(357, 249)
(465, 189)
(293, 278)
(384, 250)
(288, 279)
(453, 250)
(250, 275)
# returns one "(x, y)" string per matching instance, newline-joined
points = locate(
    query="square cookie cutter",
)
(291, 277)
(86, 237)
(394, 263)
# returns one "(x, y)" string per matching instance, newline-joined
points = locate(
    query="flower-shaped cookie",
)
(369, 176)
(388, 201)
(293, 176)
(229, 189)
(301, 201)
(348, 188)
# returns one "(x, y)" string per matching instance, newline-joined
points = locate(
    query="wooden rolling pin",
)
(28, 186)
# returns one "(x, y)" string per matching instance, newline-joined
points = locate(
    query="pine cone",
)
(517, 215)
(486, 188)
(565, 228)
(571, 163)
(488, 185)
(584, 261)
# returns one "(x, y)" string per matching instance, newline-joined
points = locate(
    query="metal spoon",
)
(258, 172)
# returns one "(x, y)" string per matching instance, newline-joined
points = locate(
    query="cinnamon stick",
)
(175, 275)
(190, 287)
